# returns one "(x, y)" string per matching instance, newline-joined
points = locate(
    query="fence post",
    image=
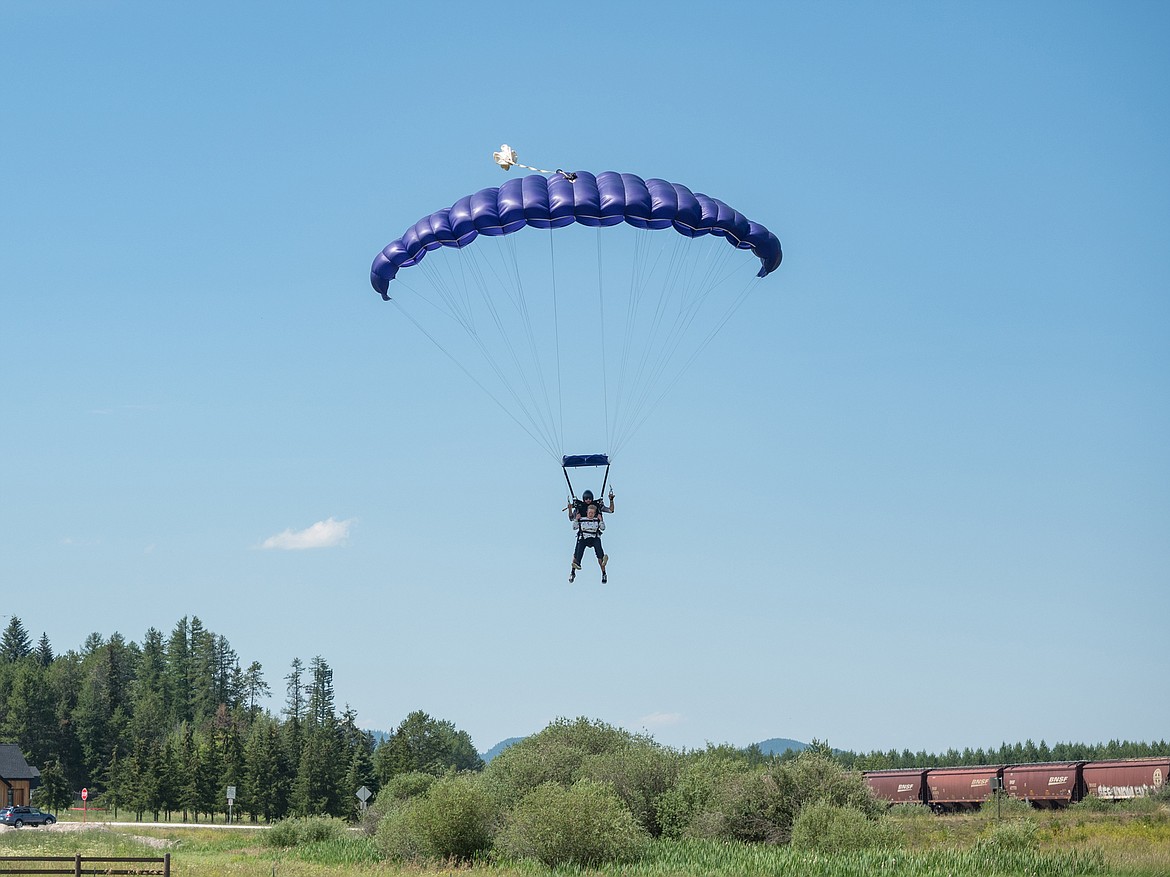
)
(167, 865)
(77, 865)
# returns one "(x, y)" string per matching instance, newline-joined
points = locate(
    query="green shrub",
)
(405, 785)
(760, 806)
(640, 773)
(453, 820)
(822, 827)
(553, 756)
(684, 809)
(399, 788)
(585, 824)
(638, 769)
(302, 830)
(399, 836)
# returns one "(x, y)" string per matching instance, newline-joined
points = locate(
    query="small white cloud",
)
(659, 720)
(323, 534)
(73, 542)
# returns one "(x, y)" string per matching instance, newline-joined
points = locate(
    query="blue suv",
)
(19, 816)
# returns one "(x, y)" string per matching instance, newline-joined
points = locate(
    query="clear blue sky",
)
(931, 456)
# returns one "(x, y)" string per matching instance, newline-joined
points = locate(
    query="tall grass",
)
(723, 859)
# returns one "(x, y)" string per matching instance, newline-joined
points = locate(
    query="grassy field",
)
(1116, 843)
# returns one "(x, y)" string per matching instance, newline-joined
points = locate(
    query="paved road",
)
(93, 823)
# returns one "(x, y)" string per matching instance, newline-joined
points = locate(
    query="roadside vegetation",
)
(1119, 842)
(160, 730)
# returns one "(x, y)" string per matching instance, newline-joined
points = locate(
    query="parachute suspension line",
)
(601, 321)
(651, 355)
(673, 317)
(738, 301)
(533, 349)
(514, 291)
(641, 268)
(552, 254)
(468, 266)
(669, 333)
(474, 379)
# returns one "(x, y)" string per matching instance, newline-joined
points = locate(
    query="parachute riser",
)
(573, 493)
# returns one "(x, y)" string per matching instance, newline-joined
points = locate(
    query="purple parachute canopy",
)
(609, 198)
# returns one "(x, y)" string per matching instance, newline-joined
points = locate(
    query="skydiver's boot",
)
(572, 573)
(604, 560)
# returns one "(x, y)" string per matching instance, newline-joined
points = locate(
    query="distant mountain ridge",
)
(780, 745)
(772, 746)
(498, 748)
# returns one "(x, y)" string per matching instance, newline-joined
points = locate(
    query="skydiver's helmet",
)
(587, 496)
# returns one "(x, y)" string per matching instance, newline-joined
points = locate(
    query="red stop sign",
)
(85, 794)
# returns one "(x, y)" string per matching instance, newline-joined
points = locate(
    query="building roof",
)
(13, 766)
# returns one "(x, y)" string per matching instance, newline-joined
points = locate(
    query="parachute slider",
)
(573, 461)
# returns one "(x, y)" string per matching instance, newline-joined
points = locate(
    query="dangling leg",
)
(602, 560)
(578, 552)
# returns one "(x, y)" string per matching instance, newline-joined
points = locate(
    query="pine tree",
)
(294, 710)
(63, 678)
(186, 773)
(30, 718)
(93, 715)
(148, 693)
(230, 749)
(264, 788)
(255, 687)
(44, 653)
(178, 674)
(54, 791)
(202, 672)
(320, 771)
(15, 643)
(358, 747)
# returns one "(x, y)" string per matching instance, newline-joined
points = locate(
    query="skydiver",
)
(589, 530)
(577, 507)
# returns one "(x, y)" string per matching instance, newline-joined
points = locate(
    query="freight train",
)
(1046, 785)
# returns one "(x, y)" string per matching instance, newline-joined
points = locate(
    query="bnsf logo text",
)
(905, 787)
(1057, 781)
(976, 783)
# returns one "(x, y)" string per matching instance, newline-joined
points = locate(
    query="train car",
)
(1129, 778)
(899, 786)
(1046, 785)
(961, 788)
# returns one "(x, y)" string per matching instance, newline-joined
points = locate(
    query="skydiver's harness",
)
(589, 528)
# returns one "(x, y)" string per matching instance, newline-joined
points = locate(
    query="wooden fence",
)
(78, 865)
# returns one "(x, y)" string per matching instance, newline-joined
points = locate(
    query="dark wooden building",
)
(17, 777)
